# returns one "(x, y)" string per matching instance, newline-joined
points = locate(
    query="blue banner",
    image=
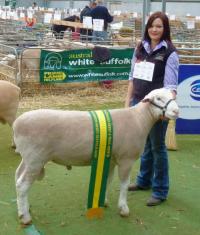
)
(189, 100)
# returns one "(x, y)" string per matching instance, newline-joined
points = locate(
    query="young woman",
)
(154, 65)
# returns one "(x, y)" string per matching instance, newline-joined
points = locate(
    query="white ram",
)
(66, 138)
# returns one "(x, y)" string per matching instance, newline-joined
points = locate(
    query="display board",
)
(188, 99)
(80, 66)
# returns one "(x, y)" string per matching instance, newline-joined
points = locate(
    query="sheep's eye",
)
(158, 98)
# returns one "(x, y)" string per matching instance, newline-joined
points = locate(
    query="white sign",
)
(172, 17)
(73, 11)
(11, 13)
(116, 25)
(22, 15)
(191, 24)
(8, 15)
(57, 16)
(51, 9)
(87, 22)
(135, 14)
(30, 14)
(117, 13)
(15, 17)
(47, 18)
(3, 15)
(188, 98)
(144, 71)
(98, 24)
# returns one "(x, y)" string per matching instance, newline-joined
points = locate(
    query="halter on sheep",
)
(163, 108)
(37, 132)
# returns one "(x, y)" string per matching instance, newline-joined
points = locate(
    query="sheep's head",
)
(162, 103)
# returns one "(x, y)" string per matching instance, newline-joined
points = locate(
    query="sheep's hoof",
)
(106, 203)
(13, 146)
(25, 220)
(124, 211)
(24, 225)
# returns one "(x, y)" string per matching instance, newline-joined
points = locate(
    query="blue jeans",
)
(99, 36)
(154, 167)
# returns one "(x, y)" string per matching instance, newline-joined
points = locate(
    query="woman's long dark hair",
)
(166, 32)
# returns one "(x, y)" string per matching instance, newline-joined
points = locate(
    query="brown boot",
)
(152, 201)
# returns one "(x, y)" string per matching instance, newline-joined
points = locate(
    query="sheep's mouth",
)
(168, 117)
(173, 117)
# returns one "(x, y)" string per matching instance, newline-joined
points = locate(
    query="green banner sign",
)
(79, 66)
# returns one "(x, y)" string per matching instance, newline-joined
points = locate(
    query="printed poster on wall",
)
(188, 99)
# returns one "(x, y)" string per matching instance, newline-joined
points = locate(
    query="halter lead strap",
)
(164, 108)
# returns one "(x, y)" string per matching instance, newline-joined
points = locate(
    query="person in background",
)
(34, 5)
(101, 12)
(86, 12)
(157, 49)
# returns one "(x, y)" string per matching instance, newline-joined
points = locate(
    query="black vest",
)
(159, 58)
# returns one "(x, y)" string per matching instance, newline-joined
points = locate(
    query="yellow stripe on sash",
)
(100, 164)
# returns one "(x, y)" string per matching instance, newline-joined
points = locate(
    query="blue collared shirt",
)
(171, 68)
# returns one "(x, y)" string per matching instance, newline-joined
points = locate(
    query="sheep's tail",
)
(42, 174)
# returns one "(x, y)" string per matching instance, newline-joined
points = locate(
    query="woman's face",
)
(156, 30)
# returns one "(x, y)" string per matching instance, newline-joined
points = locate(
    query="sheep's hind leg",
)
(19, 170)
(24, 179)
(124, 170)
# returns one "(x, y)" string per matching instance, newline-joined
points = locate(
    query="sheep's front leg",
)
(124, 169)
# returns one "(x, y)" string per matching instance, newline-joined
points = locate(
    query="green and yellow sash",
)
(102, 150)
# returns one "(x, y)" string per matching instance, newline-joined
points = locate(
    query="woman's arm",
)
(171, 73)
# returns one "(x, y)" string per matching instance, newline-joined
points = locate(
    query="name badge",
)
(144, 71)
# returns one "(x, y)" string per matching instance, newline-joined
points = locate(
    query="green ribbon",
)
(102, 150)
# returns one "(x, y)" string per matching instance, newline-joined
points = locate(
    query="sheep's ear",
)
(147, 98)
